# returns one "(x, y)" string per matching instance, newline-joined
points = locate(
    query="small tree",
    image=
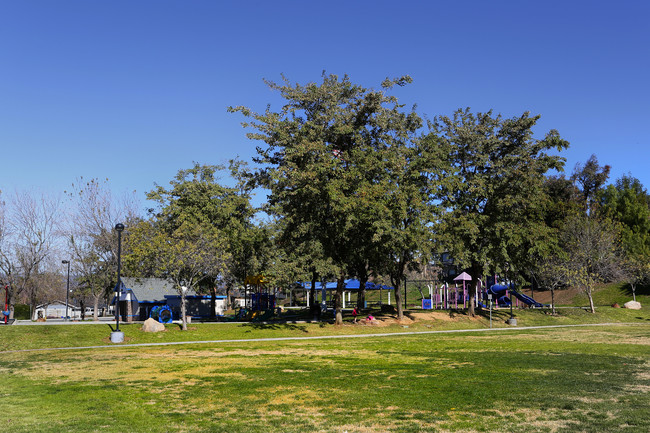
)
(185, 257)
(195, 197)
(552, 273)
(591, 245)
(27, 238)
(90, 235)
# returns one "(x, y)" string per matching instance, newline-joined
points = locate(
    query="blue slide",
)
(498, 290)
(526, 299)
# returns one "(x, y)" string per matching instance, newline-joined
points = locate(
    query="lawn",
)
(560, 379)
(49, 336)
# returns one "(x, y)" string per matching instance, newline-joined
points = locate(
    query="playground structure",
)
(262, 299)
(501, 293)
(445, 297)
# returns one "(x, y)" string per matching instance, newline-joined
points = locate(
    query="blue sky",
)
(135, 90)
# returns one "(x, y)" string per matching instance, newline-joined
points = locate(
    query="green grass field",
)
(562, 379)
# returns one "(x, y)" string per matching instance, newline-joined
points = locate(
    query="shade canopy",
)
(351, 284)
(463, 277)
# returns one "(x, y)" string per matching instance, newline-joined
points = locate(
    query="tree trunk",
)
(472, 307)
(361, 297)
(553, 301)
(337, 300)
(591, 300)
(398, 299)
(312, 296)
(96, 308)
(183, 311)
(10, 301)
(473, 290)
(213, 302)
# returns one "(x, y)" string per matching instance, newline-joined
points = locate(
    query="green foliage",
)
(560, 201)
(21, 312)
(337, 165)
(629, 203)
(212, 220)
(590, 177)
(492, 189)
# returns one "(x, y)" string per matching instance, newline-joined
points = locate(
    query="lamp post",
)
(117, 336)
(67, 290)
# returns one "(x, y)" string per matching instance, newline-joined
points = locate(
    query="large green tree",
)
(329, 150)
(493, 188)
(628, 202)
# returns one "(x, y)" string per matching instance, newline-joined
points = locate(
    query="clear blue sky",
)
(135, 90)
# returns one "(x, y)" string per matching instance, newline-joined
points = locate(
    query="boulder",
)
(152, 325)
(615, 305)
(632, 305)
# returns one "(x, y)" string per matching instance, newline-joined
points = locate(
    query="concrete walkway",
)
(326, 337)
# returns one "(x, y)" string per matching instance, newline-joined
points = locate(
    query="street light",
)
(117, 336)
(67, 290)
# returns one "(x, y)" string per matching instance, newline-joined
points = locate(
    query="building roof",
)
(152, 289)
(56, 304)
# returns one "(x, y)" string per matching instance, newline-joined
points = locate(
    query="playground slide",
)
(526, 299)
(503, 301)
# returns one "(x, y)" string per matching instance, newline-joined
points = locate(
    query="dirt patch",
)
(433, 316)
(412, 317)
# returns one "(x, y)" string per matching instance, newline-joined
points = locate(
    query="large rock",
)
(632, 305)
(152, 325)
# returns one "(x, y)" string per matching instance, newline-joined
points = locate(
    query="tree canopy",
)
(330, 162)
(493, 188)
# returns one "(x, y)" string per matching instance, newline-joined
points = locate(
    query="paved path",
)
(323, 337)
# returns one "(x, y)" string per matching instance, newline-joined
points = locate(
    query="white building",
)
(56, 310)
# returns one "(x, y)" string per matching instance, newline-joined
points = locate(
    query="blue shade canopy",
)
(350, 284)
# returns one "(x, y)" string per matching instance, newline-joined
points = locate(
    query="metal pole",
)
(67, 289)
(119, 228)
(67, 294)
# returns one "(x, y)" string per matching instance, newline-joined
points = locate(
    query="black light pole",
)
(67, 290)
(119, 228)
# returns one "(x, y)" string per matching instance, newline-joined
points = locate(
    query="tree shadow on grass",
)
(500, 315)
(276, 326)
(640, 290)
